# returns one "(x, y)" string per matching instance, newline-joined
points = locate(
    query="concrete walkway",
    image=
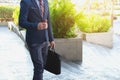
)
(14, 58)
(99, 63)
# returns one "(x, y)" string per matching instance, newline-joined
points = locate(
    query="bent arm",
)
(50, 34)
(23, 22)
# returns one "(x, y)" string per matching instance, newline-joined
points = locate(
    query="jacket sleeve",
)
(50, 34)
(23, 22)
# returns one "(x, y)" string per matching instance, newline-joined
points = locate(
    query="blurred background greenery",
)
(70, 16)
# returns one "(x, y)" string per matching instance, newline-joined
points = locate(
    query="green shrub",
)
(6, 11)
(105, 14)
(116, 7)
(63, 18)
(92, 23)
(16, 17)
(16, 14)
(117, 14)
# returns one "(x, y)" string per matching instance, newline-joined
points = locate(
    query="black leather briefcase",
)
(53, 63)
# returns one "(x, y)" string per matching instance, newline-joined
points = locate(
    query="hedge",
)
(6, 12)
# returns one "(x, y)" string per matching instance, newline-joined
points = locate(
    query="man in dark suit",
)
(34, 17)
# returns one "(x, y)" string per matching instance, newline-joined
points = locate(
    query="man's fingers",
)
(52, 44)
(45, 25)
(42, 25)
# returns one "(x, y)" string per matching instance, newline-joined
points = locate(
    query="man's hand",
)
(42, 25)
(52, 44)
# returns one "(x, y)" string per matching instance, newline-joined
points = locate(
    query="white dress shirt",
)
(38, 3)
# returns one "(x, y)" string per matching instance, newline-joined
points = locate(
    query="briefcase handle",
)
(52, 49)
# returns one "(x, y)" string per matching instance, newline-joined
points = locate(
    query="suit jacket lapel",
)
(35, 4)
(39, 12)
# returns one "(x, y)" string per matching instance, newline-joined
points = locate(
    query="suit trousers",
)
(38, 54)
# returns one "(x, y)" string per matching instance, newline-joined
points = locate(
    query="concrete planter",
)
(3, 23)
(102, 38)
(70, 48)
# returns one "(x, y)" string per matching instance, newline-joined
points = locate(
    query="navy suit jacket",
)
(30, 16)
